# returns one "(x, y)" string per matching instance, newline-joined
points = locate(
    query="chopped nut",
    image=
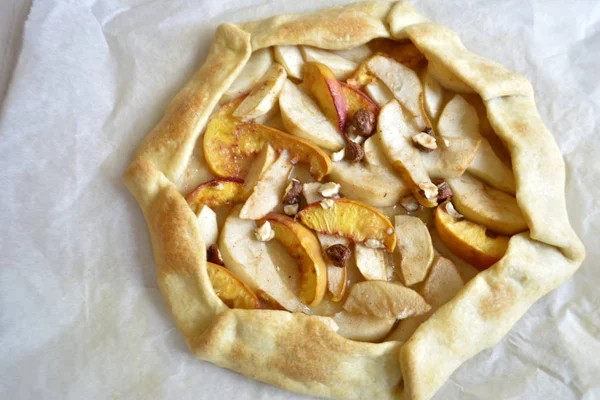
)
(292, 191)
(374, 244)
(290, 209)
(444, 191)
(424, 142)
(362, 123)
(264, 233)
(329, 189)
(338, 155)
(354, 152)
(213, 255)
(327, 204)
(429, 190)
(452, 211)
(354, 138)
(338, 254)
(390, 231)
(409, 203)
(428, 130)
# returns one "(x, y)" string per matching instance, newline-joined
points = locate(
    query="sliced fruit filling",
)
(360, 184)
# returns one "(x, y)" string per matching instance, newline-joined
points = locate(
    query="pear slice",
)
(488, 167)
(268, 191)
(460, 119)
(402, 81)
(384, 299)
(415, 248)
(291, 59)
(302, 117)
(396, 136)
(357, 54)
(363, 328)
(371, 263)
(255, 68)
(374, 153)
(259, 166)
(341, 67)
(433, 95)
(443, 283)
(375, 185)
(303, 245)
(452, 158)
(379, 93)
(248, 259)
(263, 96)
(337, 277)
(487, 206)
(207, 222)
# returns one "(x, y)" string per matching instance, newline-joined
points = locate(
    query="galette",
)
(349, 204)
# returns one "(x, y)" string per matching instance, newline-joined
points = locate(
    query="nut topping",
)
(291, 209)
(338, 254)
(374, 244)
(354, 152)
(327, 204)
(292, 191)
(429, 190)
(264, 233)
(444, 191)
(409, 203)
(213, 255)
(452, 211)
(424, 142)
(338, 155)
(329, 189)
(362, 123)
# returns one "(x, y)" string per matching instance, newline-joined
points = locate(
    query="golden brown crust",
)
(303, 353)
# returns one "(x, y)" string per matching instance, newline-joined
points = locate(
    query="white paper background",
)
(80, 313)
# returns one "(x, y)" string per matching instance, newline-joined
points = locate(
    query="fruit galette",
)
(350, 204)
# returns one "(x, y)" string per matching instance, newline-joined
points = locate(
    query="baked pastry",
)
(384, 203)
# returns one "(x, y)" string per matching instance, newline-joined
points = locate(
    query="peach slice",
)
(216, 193)
(384, 299)
(357, 100)
(303, 245)
(487, 206)
(230, 146)
(325, 88)
(230, 289)
(351, 219)
(469, 240)
(340, 66)
(414, 247)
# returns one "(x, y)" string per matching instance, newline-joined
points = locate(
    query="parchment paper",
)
(80, 313)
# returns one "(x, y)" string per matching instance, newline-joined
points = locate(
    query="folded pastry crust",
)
(303, 353)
